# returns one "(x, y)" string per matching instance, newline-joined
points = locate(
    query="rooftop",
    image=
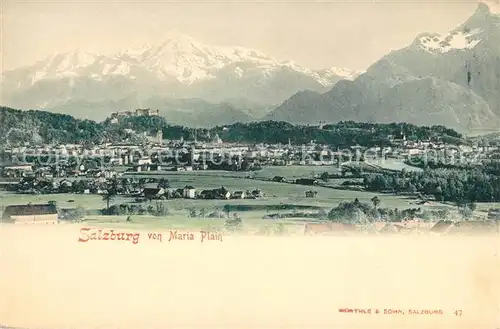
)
(29, 210)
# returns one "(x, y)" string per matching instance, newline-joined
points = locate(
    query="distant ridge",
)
(40, 127)
(451, 79)
(178, 68)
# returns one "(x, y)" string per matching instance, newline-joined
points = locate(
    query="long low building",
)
(30, 213)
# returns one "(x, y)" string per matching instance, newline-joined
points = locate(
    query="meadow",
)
(274, 193)
(290, 196)
(393, 164)
(294, 172)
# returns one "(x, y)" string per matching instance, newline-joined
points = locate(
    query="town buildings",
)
(30, 213)
(137, 112)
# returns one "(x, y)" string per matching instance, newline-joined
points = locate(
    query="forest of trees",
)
(342, 134)
(356, 212)
(454, 185)
(18, 126)
(488, 166)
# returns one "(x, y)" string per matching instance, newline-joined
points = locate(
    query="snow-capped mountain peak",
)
(477, 29)
(454, 41)
(179, 57)
(134, 54)
(62, 65)
(346, 74)
(449, 79)
(178, 67)
(70, 60)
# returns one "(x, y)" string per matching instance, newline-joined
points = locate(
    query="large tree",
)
(376, 201)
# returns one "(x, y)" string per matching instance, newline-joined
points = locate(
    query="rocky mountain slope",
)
(451, 79)
(179, 68)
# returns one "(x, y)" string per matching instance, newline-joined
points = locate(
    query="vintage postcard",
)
(249, 164)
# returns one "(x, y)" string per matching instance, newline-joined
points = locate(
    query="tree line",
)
(489, 166)
(453, 185)
(356, 212)
(33, 126)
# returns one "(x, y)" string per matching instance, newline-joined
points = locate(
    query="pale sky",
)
(351, 34)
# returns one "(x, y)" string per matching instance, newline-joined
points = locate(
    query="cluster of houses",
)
(163, 155)
(148, 188)
(154, 191)
(49, 171)
(443, 227)
(42, 185)
(406, 148)
(31, 213)
(299, 181)
(212, 153)
(494, 214)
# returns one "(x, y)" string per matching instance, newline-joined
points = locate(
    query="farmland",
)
(289, 196)
(393, 164)
(275, 193)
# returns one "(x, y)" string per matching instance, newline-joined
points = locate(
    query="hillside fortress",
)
(136, 113)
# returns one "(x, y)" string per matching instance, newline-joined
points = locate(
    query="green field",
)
(275, 194)
(289, 172)
(179, 222)
(393, 164)
(290, 195)
(294, 172)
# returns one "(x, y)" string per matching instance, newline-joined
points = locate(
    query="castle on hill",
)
(137, 113)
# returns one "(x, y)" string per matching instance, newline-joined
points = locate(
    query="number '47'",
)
(458, 312)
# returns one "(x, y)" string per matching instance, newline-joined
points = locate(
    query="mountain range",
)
(226, 80)
(451, 80)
